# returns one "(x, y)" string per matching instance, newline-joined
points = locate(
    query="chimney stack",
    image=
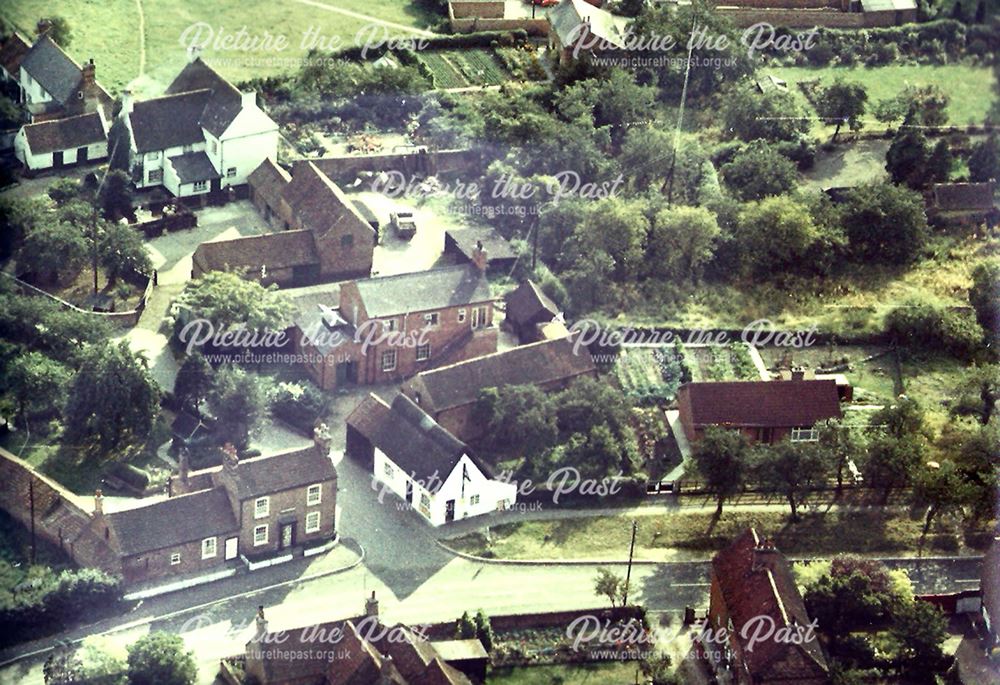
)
(185, 464)
(479, 257)
(98, 502)
(193, 53)
(42, 27)
(229, 458)
(88, 71)
(371, 606)
(127, 101)
(322, 439)
(798, 374)
(249, 100)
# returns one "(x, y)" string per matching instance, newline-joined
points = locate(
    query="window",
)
(805, 435)
(431, 319)
(480, 317)
(461, 316)
(175, 558)
(156, 175)
(423, 352)
(261, 507)
(314, 494)
(153, 155)
(388, 470)
(199, 186)
(389, 325)
(208, 548)
(474, 500)
(230, 172)
(260, 535)
(312, 522)
(425, 500)
(389, 360)
(346, 242)
(215, 148)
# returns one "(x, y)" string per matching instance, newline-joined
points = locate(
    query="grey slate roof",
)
(194, 166)
(567, 17)
(423, 291)
(465, 240)
(168, 121)
(173, 521)
(65, 134)
(282, 471)
(46, 63)
(225, 103)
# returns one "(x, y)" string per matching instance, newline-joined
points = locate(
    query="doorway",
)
(287, 535)
(449, 511)
(232, 548)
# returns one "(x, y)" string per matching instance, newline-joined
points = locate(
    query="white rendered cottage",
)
(57, 143)
(423, 464)
(202, 135)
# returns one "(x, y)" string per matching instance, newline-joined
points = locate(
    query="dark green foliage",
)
(193, 382)
(300, 405)
(884, 223)
(721, 457)
(758, 171)
(921, 325)
(984, 162)
(161, 659)
(237, 402)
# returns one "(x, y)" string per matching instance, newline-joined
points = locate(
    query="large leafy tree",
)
(193, 382)
(681, 243)
(885, 223)
(615, 101)
(115, 196)
(161, 659)
(112, 402)
(940, 490)
(918, 632)
(52, 250)
(840, 444)
(775, 234)
(519, 417)
(121, 250)
(774, 116)
(36, 383)
(237, 402)
(898, 446)
(791, 470)
(843, 103)
(984, 162)
(758, 171)
(721, 457)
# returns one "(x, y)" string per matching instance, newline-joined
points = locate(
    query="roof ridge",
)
(491, 355)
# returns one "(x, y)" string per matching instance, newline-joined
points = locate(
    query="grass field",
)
(971, 88)
(575, 674)
(108, 31)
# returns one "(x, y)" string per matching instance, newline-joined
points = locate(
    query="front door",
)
(81, 154)
(409, 492)
(216, 185)
(287, 535)
(57, 159)
(449, 510)
(232, 548)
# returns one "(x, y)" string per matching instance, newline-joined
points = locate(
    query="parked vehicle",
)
(403, 223)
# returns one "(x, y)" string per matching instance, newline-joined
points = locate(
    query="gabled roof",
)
(569, 16)
(756, 580)
(64, 134)
(776, 404)
(268, 181)
(53, 69)
(282, 471)
(408, 436)
(272, 250)
(223, 106)
(459, 384)
(168, 121)
(12, 52)
(173, 521)
(317, 203)
(466, 239)
(423, 291)
(527, 301)
(964, 196)
(193, 166)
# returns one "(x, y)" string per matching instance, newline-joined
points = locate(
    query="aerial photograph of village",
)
(499, 342)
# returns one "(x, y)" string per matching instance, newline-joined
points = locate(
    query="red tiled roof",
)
(268, 180)
(12, 52)
(762, 403)
(273, 250)
(527, 301)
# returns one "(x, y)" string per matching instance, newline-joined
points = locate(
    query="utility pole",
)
(628, 573)
(31, 506)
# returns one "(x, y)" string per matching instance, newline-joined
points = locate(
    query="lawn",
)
(565, 674)
(686, 535)
(109, 32)
(970, 88)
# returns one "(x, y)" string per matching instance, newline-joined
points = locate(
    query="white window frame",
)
(200, 186)
(312, 522)
(388, 365)
(314, 494)
(209, 548)
(461, 316)
(261, 507)
(474, 500)
(155, 176)
(804, 434)
(231, 172)
(426, 348)
(480, 316)
(175, 558)
(153, 155)
(432, 319)
(259, 540)
(388, 325)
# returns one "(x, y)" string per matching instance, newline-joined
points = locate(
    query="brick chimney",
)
(229, 458)
(798, 374)
(98, 503)
(185, 465)
(88, 71)
(127, 101)
(43, 26)
(371, 606)
(193, 53)
(479, 257)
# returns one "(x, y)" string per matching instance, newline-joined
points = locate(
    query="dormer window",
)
(261, 507)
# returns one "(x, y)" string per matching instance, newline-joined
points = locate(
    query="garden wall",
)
(553, 619)
(126, 319)
(533, 27)
(409, 163)
(792, 18)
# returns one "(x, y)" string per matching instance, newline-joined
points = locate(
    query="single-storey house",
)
(56, 143)
(420, 462)
(529, 309)
(449, 394)
(963, 203)
(764, 411)
(463, 244)
(752, 582)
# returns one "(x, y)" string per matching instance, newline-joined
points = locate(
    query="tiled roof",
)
(423, 291)
(762, 403)
(223, 106)
(991, 583)
(756, 580)
(465, 240)
(268, 181)
(194, 166)
(168, 121)
(173, 521)
(53, 69)
(967, 196)
(317, 203)
(569, 15)
(418, 661)
(283, 471)
(459, 384)
(526, 302)
(64, 134)
(273, 250)
(408, 436)
(12, 52)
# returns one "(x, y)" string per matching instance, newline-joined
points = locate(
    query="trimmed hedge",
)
(299, 405)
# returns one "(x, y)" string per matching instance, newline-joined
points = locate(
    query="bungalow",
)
(528, 310)
(450, 394)
(353, 651)
(383, 329)
(764, 411)
(423, 464)
(202, 135)
(52, 85)
(963, 203)
(752, 582)
(55, 143)
(462, 244)
(990, 607)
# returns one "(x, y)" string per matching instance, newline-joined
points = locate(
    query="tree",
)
(118, 146)
(519, 417)
(984, 162)
(907, 156)
(681, 242)
(939, 490)
(774, 234)
(721, 458)
(885, 223)
(51, 250)
(56, 28)
(161, 659)
(843, 103)
(610, 585)
(228, 301)
(984, 296)
(237, 402)
(939, 163)
(36, 383)
(64, 190)
(615, 101)
(484, 631)
(791, 470)
(115, 196)
(111, 403)
(618, 228)
(89, 665)
(839, 442)
(465, 627)
(658, 668)
(19, 217)
(773, 116)
(898, 445)
(121, 250)
(194, 382)
(759, 170)
(917, 632)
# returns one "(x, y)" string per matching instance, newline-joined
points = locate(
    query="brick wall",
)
(347, 167)
(793, 18)
(292, 504)
(533, 27)
(156, 564)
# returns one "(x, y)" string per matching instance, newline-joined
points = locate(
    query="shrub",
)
(932, 328)
(299, 405)
(132, 475)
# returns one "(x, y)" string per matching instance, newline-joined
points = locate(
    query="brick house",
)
(449, 394)
(389, 328)
(764, 411)
(252, 508)
(12, 51)
(752, 583)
